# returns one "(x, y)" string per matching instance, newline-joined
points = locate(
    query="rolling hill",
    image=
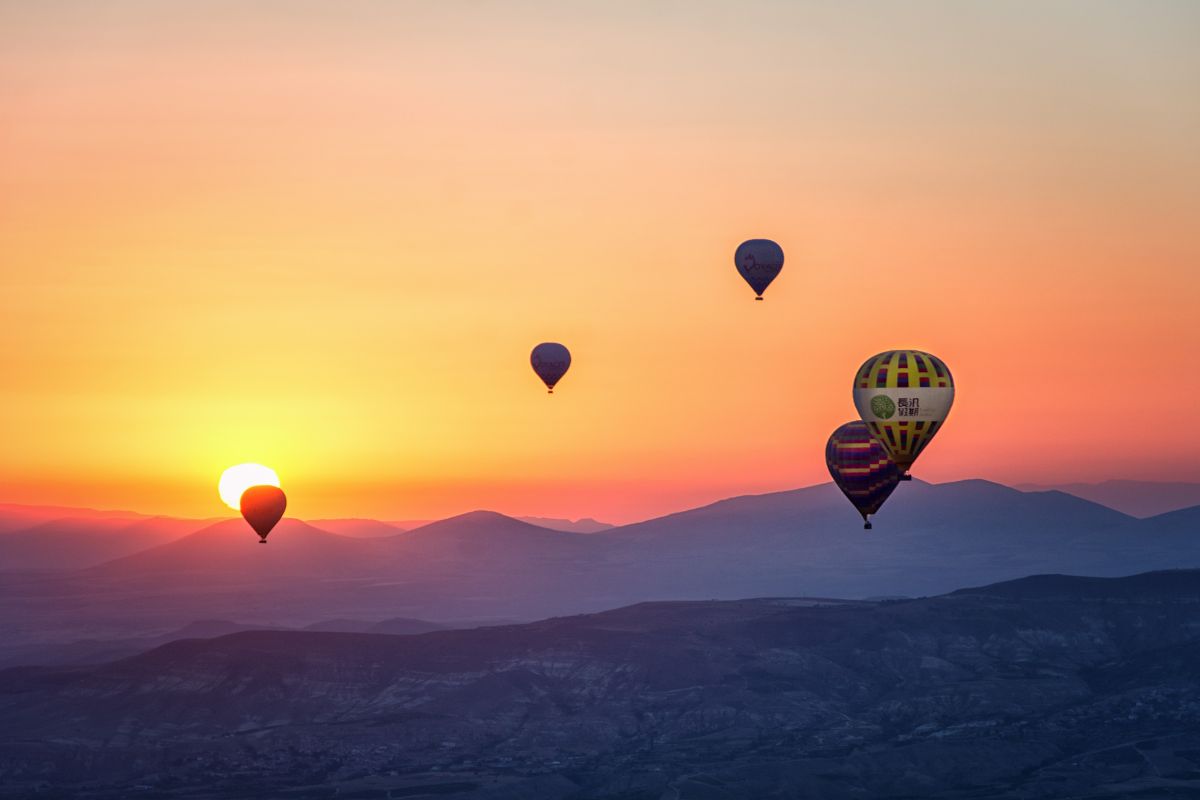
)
(1136, 498)
(83, 541)
(226, 549)
(357, 528)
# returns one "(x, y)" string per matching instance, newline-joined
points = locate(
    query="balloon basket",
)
(759, 297)
(866, 526)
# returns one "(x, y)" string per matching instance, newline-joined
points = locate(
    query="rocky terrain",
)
(1043, 687)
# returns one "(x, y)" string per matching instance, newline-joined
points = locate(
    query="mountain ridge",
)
(1134, 497)
(483, 565)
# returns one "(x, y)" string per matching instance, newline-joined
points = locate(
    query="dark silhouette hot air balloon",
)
(550, 361)
(861, 468)
(263, 506)
(758, 261)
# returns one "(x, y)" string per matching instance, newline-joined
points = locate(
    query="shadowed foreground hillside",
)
(1045, 687)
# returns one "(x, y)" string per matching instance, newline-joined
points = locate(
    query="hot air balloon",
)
(758, 261)
(904, 397)
(550, 361)
(861, 468)
(263, 506)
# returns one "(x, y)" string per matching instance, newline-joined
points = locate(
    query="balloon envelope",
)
(758, 261)
(550, 361)
(263, 506)
(861, 468)
(904, 397)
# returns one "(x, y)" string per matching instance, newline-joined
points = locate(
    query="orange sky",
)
(324, 236)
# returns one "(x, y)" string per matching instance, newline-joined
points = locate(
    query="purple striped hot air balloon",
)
(861, 468)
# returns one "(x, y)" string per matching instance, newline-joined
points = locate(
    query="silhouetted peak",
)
(479, 520)
(483, 515)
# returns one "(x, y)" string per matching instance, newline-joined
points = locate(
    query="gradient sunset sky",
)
(325, 235)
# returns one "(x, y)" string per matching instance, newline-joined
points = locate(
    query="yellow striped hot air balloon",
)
(904, 397)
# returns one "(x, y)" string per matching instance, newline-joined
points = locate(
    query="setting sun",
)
(237, 479)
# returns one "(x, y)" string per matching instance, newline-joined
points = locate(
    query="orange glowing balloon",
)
(263, 506)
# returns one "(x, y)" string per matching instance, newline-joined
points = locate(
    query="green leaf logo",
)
(882, 406)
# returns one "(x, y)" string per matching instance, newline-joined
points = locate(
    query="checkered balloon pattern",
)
(900, 372)
(861, 467)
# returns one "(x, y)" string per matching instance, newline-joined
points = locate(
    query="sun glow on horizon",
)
(240, 477)
(264, 230)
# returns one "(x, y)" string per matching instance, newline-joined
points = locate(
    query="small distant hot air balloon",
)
(550, 361)
(861, 468)
(758, 261)
(904, 397)
(263, 506)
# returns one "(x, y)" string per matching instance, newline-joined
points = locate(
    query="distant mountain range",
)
(14, 516)
(585, 525)
(29, 542)
(1043, 687)
(1136, 498)
(57, 538)
(482, 567)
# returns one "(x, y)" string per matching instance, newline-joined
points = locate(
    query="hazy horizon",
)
(1169, 504)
